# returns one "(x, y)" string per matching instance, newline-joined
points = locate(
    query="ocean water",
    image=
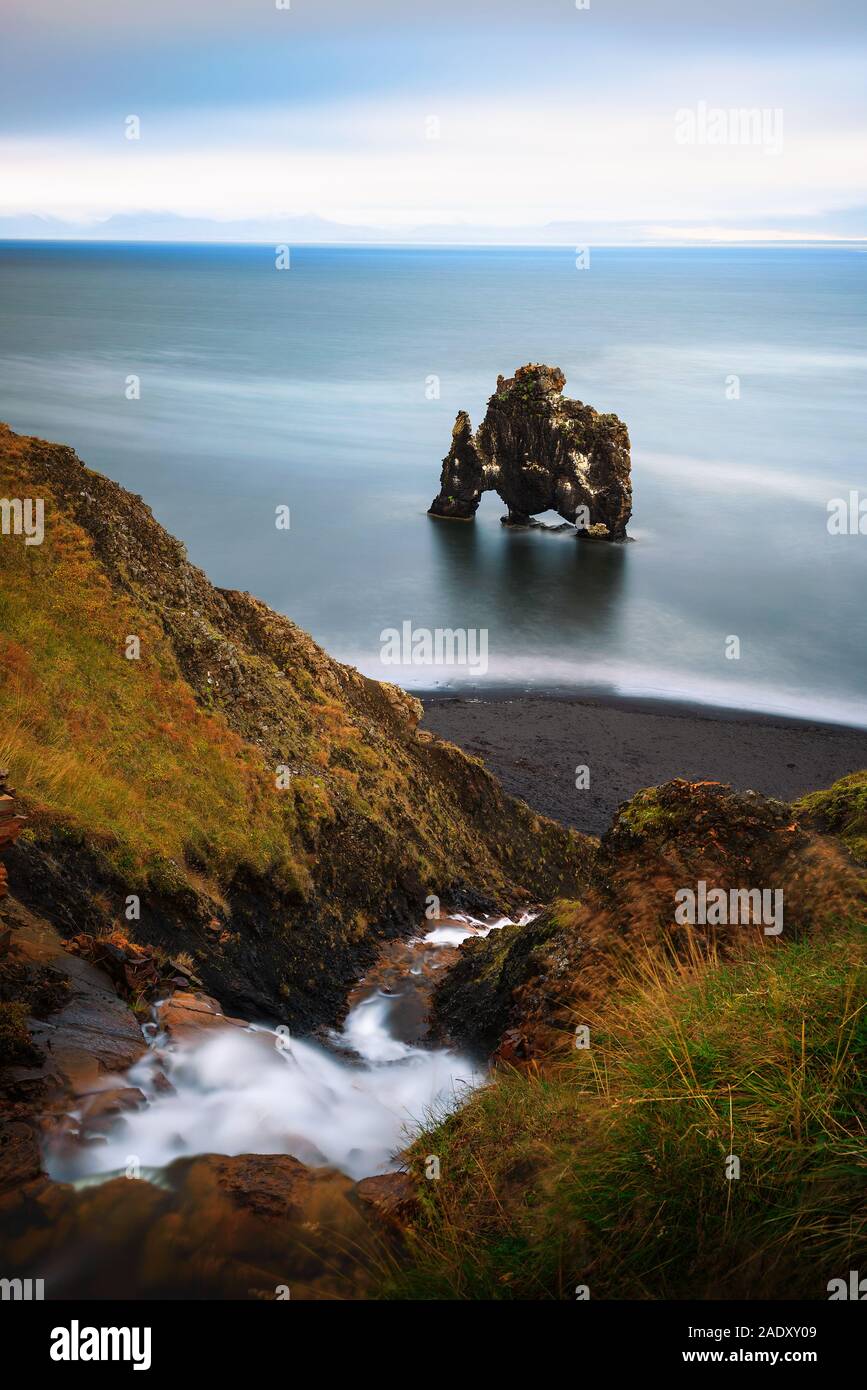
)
(310, 388)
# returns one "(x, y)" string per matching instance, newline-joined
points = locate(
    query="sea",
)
(286, 416)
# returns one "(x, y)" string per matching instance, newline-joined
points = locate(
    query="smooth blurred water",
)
(233, 1090)
(307, 387)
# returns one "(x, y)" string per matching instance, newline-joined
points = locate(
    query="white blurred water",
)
(258, 1090)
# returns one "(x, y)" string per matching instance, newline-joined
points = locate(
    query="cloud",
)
(545, 113)
(743, 18)
(488, 163)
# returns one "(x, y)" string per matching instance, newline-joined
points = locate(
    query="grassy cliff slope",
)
(605, 1159)
(156, 775)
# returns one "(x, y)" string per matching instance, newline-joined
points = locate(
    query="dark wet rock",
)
(72, 1032)
(540, 451)
(93, 1036)
(474, 1001)
(131, 968)
(85, 1030)
(20, 1156)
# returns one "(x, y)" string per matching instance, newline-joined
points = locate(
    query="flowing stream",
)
(351, 1102)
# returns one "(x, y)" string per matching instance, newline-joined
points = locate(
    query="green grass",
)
(607, 1168)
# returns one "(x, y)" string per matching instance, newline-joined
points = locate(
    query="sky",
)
(435, 119)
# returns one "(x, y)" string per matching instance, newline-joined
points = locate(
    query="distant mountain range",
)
(848, 225)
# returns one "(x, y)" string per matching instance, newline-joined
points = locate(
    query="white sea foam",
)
(596, 679)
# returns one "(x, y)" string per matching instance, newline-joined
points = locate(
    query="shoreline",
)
(741, 703)
(594, 696)
(630, 742)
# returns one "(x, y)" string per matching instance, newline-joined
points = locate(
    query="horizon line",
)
(746, 243)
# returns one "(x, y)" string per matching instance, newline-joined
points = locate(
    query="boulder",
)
(393, 1196)
(259, 1226)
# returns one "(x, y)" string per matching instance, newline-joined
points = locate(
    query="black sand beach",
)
(534, 743)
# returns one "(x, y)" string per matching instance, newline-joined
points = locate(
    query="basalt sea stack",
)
(540, 451)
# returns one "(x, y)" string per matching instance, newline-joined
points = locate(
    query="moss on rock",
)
(840, 810)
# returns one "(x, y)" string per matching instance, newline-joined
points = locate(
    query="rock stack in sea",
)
(540, 451)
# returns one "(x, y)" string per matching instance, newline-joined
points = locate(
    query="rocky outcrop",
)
(540, 451)
(64, 1035)
(11, 825)
(521, 990)
(840, 810)
(80, 1030)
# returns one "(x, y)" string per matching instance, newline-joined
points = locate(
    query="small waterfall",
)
(234, 1090)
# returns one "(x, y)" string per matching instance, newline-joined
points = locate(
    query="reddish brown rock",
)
(275, 1187)
(253, 1226)
(100, 1110)
(512, 1048)
(392, 1196)
(186, 1013)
